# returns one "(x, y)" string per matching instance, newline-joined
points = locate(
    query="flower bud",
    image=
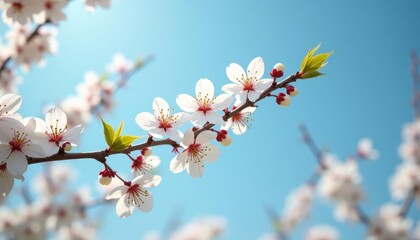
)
(277, 71)
(292, 91)
(146, 151)
(104, 180)
(67, 146)
(283, 100)
(226, 141)
(105, 176)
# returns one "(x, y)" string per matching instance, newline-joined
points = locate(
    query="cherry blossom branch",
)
(408, 201)
(266, 93)
(31, 36)
(100, 156)
(415, 62)
(319, 156)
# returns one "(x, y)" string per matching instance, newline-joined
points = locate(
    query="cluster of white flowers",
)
(204, 228)
(40, 11)
(96, 93)
(298, 207)
(341, 183)
(200, 110)
(389, 225)
(322, 233)
(29, 137)
(28, 44)
(407, 176)
(58, 212)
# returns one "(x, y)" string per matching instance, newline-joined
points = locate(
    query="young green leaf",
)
(123, 142)
(119, 130)
(318, 61)
(109, 133)
(311, 74)
(307, 58)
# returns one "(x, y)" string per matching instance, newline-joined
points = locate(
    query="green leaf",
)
(119, 130)
(123, 142)
(311, 74)
(307, 58)
(317, 62)
(109, 133)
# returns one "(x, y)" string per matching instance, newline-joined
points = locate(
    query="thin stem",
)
(31, 36)
(409, 201)
(319, 156)
(100, 155)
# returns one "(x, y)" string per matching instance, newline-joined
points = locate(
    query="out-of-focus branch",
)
(319, 156)
(101, 155)
(31, 36)
(408, 201)
(415, 62)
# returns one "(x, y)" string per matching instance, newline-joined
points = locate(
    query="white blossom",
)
(196, 151)
(205, 105)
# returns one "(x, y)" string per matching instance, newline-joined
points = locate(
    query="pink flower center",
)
(193, 149)
(17, 6)
(19, 139)
(140, 165)
(204, 103)
(165, 124)
(248, 85)
(3, 167)
(56, 134)
(134, 195)
(49, 5)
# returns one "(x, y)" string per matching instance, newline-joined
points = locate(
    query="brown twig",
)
(100, 155)
(408, 201)
(31, 36)
(319, 156)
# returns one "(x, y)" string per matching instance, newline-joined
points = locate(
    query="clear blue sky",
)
(366, 93)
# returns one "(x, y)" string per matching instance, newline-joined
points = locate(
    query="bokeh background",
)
(365, 93)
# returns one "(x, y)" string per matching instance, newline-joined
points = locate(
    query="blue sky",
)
(365, 93)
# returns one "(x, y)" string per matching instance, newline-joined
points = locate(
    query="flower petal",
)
(123, 208)
(214, 117)
(187, 103)
(147, 204)
(222, 101)
(232, 88)
(205, 137)
(195, 169)
(56, 118)
(6, 183)
(238, 128)
(146, 121)
(147, 181)
(213, 153)
(157, 132)
(174, 134)
(178, 163)
(11, 102)
(263, 84)
(181, 118)
(204, 88)
(153, 161)
(253, 95)
(161, 107)
(235, 73)
(188, 137)
(116, 192)
(256, 68)
(199, 118)
(17, 163)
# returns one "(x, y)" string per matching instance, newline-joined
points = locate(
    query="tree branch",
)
(101, 155)
(31, 36)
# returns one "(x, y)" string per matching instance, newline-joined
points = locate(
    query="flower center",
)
(19, 139)
(49, 5)
(17, 6)
(55, 133)
(3, 167)
(248, 85)
(134, 195)
(204, 103)
(196, 152)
